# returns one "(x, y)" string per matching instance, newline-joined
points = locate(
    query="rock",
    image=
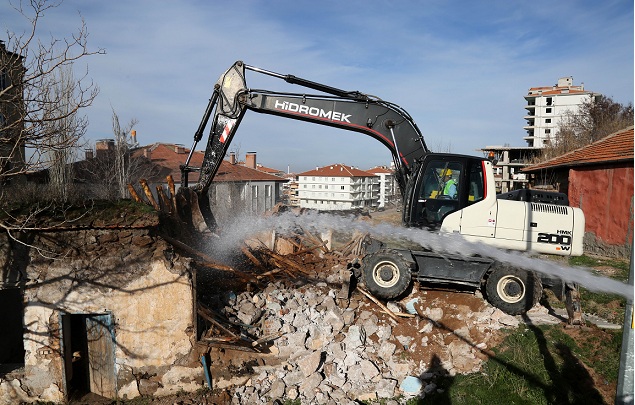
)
(369, 396)
(296, 339)
(310, 363)
(301, 321)
(355, 337)
(405, 340)
(394, 307)
(277, 389)
(291, 393)
(386, 350)
(293, 378)
(384, 332)
(385, 388)
(348, 316)
(351, 359)
(308, 386)
(248, 313)
(335, 320)
(369, 369)
(148, 387)
(427, 328)
(435, 314)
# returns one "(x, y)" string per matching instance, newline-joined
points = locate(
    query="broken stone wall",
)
(129, 275)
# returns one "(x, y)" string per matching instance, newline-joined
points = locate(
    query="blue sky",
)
(460, 68)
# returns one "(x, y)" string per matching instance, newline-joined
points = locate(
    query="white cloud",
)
(460, 68)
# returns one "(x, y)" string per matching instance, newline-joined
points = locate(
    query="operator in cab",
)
(449, 184)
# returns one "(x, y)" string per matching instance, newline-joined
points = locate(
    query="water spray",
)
(441, 243)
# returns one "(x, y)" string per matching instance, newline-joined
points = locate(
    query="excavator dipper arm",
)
(350, 110)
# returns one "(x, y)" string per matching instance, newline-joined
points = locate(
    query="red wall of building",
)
(606, 197)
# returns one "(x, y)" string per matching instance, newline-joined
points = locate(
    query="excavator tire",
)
(512, 290)
(386, 273)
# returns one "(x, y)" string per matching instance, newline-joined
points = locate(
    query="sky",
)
(460, 68)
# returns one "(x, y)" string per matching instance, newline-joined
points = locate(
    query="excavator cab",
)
(443, 184)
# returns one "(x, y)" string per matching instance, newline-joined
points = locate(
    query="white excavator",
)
(442, 192)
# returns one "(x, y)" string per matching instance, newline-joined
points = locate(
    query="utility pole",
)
(624, 395)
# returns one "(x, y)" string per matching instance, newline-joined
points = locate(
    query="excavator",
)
(531, 221)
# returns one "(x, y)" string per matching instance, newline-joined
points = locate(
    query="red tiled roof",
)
(268, 170)
(375, 170)
(170, 156)
(230, 172)
(337, 170)
(616, 147)
(552, 92)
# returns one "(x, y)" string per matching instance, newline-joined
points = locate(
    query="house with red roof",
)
(236, 187)
(338, 187)
(598, 178)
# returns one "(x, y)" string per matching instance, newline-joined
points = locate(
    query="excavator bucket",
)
(194, 210)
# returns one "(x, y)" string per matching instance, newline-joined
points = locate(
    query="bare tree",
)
(31, 106)
(122, 161)
(595, 119)
(65, 131)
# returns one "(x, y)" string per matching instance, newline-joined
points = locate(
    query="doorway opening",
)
(89, 354)
(12, 336)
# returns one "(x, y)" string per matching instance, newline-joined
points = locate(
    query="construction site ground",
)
(431, 334)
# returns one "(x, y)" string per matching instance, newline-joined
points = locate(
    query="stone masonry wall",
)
(127, 272)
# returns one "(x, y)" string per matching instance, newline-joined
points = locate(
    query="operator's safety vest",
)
(448, 185)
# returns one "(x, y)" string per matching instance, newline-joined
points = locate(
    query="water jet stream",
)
(246, 226)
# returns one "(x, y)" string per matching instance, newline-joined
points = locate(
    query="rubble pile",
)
(321, 352)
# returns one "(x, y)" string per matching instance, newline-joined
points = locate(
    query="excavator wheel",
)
(512, 290)
(386, 273)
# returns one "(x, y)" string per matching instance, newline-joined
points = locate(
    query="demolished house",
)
(99, 305)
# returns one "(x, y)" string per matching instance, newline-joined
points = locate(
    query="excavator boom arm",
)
(349, 110)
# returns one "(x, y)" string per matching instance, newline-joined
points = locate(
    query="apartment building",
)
(546, 106)
(388, 188)
(338, 187)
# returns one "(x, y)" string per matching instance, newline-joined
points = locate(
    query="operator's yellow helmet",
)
(446, 172)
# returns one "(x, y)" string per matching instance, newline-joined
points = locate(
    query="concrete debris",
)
(327, 354)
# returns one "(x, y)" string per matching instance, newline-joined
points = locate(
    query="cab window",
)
(439, 191)
(476, 183)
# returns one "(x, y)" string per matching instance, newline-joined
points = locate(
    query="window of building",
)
(548, 121)
(254, 192)
(547, 131)
(267, 191)
(549, 101)
(341, 187)
(548, 110)
(4, 79)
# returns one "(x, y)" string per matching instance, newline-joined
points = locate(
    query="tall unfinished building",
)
(546, 106)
